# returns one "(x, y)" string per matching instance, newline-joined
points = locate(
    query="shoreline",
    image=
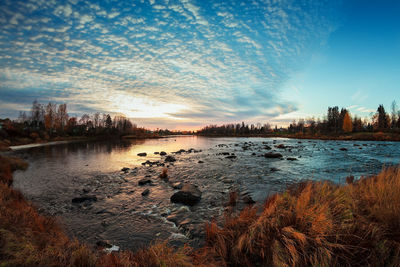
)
(64, 140)
(378, 137)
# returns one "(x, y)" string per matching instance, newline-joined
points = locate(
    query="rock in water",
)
(144, 154)
(188, 195)
(145, 181)
(273, 155)
(170, 159)
(163, 153)
(146, 192)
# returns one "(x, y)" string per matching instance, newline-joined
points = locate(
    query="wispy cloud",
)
(180, 61)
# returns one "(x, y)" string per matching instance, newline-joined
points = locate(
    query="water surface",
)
(122, 216)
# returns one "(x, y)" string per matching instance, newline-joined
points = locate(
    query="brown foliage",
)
(164, 174)
(317, 223)
(310, 224)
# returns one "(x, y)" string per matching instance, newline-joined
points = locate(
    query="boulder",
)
(170, 159)
(272, 155)
(163, 153)
(292, 159)
(125, 169)
(282, 146)
(144, 154)
(188, 195)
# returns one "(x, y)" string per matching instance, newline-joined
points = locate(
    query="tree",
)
(394, 114)
(37, 114)
(62, 117)
(333, 118)
(50, 116)
(347, 123)
(108, 122)
(382, 119)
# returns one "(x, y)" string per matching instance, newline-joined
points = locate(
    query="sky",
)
(183, 64)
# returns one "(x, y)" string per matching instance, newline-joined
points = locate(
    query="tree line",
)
(336, 121)
(52, 120)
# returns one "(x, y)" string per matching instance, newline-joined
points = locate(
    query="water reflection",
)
(122, 215)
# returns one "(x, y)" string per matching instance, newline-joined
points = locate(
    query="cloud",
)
(15, 18)
(85, 19)
(184, 62)
(113, 15)
(63, 10)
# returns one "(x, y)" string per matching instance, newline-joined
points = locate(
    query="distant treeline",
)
(335, 122)
(48, 121)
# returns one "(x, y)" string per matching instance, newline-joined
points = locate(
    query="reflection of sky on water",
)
(61, 172)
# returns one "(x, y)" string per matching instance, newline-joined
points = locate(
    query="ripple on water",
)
(122, 216)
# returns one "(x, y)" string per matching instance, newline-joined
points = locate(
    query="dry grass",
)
(30, 239)
(314, 224)
(310, 224)
(164, 174)
(7, 166)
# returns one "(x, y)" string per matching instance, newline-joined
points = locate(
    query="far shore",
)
(365, 136)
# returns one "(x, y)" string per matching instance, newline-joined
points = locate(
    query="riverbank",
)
(6, 145)
(363, 136)
(311, 223)
(28, 238)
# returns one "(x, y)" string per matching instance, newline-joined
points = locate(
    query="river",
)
(121, 216)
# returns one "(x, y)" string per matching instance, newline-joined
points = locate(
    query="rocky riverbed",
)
(129, 194)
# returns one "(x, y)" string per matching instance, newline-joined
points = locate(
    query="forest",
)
(335, 122)
(51, 121)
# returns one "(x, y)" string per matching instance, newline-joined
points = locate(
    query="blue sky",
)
(186, 63)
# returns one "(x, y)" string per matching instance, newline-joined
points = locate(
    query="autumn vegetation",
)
(30, 239)
(52, 122)
(310, 224)
(335, 125)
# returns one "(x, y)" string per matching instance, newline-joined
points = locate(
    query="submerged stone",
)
(273, 155)
(170, 159)
(188, 195)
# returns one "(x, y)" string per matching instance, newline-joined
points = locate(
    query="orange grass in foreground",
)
(30, 239)
(310, 224)
(314, 224)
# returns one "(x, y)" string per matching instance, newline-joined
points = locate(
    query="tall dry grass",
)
(30, 239)
(314, 224)
(310, 224)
